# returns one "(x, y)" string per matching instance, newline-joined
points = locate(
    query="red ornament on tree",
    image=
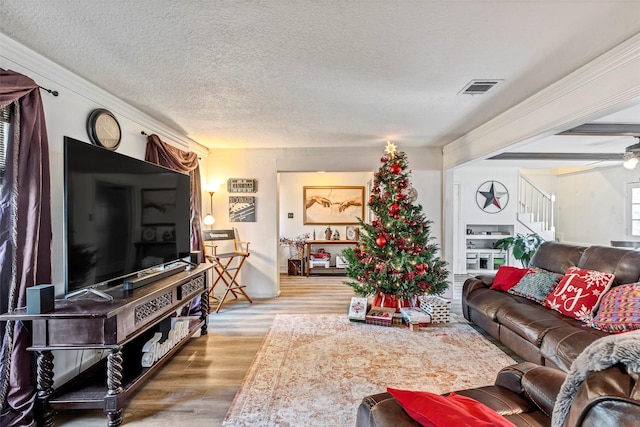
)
(394, 208)
(381, 241)
(396, 169)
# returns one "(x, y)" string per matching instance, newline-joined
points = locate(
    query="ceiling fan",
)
(632, 155)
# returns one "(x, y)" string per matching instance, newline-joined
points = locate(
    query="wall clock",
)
(492, 196)
(103, 129)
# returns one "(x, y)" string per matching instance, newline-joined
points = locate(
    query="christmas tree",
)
(395, 254)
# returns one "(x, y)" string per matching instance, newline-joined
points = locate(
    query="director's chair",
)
(227, 264)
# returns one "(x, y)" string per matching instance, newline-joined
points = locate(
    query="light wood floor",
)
(199, 383)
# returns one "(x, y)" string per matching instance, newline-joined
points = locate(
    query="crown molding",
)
(569, 102)
(54, 76)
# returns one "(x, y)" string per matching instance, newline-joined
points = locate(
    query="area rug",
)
(314, 370)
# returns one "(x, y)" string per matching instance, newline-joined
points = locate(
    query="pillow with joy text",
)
(507, 277)
(536, 284)
(619, 309)
(434, 410)
(579, 292)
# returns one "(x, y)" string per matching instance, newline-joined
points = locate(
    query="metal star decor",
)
(390, 149)
(495, 196)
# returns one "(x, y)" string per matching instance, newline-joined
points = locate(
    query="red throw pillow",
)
(434, 410)
(579, 292)
(507, 277)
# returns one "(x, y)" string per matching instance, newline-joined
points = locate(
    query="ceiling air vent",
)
(478, 87)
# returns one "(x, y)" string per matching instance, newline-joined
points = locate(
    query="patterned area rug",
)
(314, 370)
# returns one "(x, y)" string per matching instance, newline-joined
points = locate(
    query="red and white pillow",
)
(579, 292)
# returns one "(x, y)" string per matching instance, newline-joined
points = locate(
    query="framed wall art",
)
(242, 209)
(242, 185)
(333, 205)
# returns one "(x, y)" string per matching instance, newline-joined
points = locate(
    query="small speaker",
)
(196, 257)
(40, 299)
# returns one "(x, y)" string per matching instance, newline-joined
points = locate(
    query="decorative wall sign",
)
(492, 196)
(333, 205)
(241, 185)
(242, 209)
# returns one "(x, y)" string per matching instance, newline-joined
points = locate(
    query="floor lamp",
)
(210, 188)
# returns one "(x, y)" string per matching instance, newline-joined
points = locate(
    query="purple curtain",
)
(25, 239)
(173, 158)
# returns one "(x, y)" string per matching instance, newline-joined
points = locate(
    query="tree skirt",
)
(314, 370)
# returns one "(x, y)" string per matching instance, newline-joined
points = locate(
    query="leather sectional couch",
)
(525, 393)
(534, 332)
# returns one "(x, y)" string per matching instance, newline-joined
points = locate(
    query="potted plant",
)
(522, 246)
(295, 244)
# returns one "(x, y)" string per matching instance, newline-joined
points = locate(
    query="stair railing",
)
(533, 200)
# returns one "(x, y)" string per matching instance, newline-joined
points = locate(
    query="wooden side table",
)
(309, 251)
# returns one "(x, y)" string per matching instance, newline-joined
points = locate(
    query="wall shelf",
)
(481, 257)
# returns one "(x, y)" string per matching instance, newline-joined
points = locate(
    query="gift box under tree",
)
(437, 307)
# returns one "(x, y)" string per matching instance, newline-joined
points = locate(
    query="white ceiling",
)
(321, 73)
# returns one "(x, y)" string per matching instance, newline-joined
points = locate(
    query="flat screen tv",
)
(123, 216)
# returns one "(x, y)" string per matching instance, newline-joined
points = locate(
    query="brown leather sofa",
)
(548, 341)
(525, 395)
(534, 332)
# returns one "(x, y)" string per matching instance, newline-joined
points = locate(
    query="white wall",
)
(66, 115)
(591, 205)
(291, 201)
(544, 179)
(261, 271)
(470, 179)
(567, 103)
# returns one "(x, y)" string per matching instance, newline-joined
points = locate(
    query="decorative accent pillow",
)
(579, 292)
(619, 309)
(536, 284)
(507, 277)
(434, 410)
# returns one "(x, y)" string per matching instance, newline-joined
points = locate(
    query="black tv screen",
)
(122, 215)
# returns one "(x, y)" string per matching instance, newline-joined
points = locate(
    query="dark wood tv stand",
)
(120, 327)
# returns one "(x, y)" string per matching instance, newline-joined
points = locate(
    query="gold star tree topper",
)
(390, 149)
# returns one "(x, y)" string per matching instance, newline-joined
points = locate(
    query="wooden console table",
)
(330, 270)
(121, 327)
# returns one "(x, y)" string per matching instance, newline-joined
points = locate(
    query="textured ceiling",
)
(320, 73)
